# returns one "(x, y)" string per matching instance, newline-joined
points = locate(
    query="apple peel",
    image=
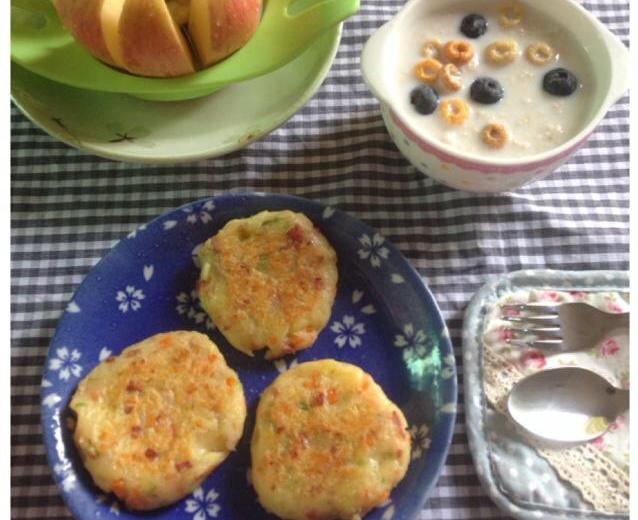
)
(220, 27)
(146, 37)
(82, 19)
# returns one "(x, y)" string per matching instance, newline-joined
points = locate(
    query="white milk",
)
(535, 120)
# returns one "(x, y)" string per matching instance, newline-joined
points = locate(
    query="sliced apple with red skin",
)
(145, 37)
(220, 27)
(82, 19)
(151, 43)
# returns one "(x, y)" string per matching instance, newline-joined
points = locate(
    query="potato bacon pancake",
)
(154, 421)
(268, 281)
(328, 444)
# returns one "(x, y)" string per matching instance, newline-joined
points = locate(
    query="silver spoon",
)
(567, 404)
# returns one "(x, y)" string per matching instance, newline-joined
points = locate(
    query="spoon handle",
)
(620, 320)
(620, 398)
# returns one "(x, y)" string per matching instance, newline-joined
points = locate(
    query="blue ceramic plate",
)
(384, 320)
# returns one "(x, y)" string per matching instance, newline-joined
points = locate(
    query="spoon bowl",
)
(567, 404)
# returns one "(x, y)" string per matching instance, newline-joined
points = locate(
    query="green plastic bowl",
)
(40, 44)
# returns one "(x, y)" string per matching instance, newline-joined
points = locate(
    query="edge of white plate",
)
(304, 97)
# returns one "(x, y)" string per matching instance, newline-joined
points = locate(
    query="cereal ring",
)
(458, 51)
(502, 52)
(540, 53)
(427, 70)
(432, 49)
(510, 14)
(494, 135)
(454, 111)
(449, 78)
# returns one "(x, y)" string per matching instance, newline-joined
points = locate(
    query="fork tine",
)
(534, 320)
(535, 308)
(552, 332)
(539, 343)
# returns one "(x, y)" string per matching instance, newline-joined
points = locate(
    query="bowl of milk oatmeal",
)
(488, 95)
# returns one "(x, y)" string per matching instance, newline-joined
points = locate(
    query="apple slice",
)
(82, 19)
(180, 10)
(110, 20)
(144, 39)
(220, 27)
(145, 36)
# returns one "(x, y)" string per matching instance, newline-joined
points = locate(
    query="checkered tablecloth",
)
(69, 208)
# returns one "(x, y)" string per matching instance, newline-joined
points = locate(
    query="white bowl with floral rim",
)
(487, 173)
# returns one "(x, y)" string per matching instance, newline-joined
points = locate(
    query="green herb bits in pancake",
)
(153, 422)
(269, 281)
(328, 444)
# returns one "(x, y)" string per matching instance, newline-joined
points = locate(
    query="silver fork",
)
(562, 326)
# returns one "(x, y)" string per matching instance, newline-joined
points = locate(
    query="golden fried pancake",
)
(328, 444)
(154, 421)
(268, 281)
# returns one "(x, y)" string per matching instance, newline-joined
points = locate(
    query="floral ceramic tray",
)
(384, 320)
(519, 480)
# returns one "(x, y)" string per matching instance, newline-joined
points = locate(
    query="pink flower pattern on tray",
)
(609, 358)
(533, 359)
(609, 347)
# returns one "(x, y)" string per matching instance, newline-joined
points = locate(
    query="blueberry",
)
(425, 99)
(474, 25)
(486, 91)
(560, 82)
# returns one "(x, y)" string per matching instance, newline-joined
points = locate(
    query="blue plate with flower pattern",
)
(384, 319)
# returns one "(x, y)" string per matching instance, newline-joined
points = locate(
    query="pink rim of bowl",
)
(482, 166)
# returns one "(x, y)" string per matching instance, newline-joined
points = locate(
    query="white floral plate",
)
(121, 127)
(384, 319)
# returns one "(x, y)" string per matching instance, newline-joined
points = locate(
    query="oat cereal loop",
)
(432, 49)
(454, 111)
(510, 14)
(428, 70)
(540, 53)
(501, 52)
(494, 135)
(459, 52)
(449, 78)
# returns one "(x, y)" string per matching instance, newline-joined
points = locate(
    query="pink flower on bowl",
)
(578, 295)
(533, 359)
